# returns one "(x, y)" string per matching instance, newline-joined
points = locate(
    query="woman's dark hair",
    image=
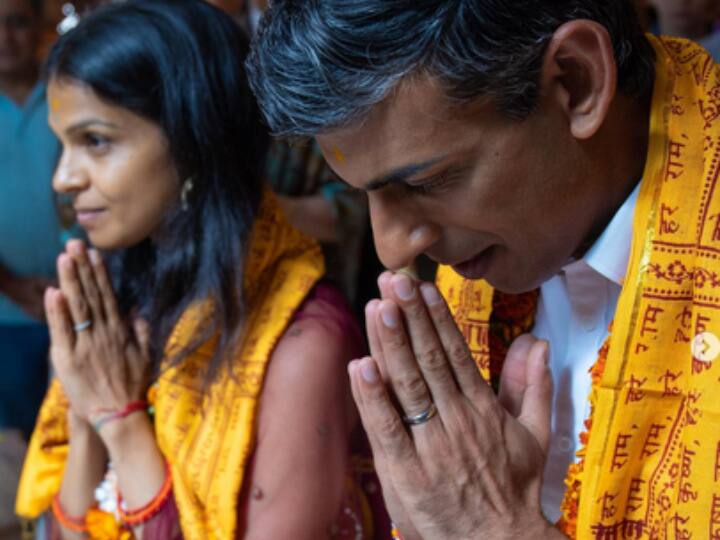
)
(179, 64)
(318, 65)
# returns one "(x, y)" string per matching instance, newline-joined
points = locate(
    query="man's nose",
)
(401, 233)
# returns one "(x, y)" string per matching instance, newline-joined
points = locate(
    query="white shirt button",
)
(588, 323)
(564, 444)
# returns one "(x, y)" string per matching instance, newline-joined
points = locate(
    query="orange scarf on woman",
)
(207, 437)
(650, 463)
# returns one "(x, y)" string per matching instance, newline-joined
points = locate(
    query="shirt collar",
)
(610, 254)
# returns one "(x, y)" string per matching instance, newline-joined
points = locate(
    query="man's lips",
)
(477, 267)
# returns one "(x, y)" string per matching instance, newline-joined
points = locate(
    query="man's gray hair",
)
(318, 65)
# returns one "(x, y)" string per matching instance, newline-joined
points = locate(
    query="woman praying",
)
(201, 388)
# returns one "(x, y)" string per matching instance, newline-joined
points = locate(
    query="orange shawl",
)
(650, 467)
(207, 438)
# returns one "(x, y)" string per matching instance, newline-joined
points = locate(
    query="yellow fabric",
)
(207, 438)
(471, 304)
(652, 462)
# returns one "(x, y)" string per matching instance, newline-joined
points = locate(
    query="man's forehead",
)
(416, 125)
(418, 107)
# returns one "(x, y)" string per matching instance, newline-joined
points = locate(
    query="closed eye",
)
(426, 187)
(435, 183)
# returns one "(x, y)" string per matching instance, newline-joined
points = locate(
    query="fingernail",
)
(369, 371)
(371, 307)
(94, 256)
(430, 294)
(388, 315)
(75, 247)
(403, 287)
(382, 280)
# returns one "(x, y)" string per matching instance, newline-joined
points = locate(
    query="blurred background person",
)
(643, 11)
(317, 203)
(691, 19)
(32, 232)
(315, 200)
(29, 242)
(246, 12)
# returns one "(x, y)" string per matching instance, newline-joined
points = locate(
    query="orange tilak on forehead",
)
(54, 104)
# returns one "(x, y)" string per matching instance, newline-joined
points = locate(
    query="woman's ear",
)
(579, 72)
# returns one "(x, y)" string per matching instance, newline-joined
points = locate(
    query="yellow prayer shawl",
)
(207, 438)
(650, 467)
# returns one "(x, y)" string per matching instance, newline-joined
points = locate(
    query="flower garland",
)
(573, 480)
(103, 526)
(512, 315)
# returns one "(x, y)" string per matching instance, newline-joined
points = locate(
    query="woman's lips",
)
(88, 217)
(477, 267)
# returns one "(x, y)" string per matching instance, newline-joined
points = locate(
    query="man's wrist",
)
(551, 532)
(539, 530)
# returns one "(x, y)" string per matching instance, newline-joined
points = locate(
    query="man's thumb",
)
(536, 407)
(513, 379)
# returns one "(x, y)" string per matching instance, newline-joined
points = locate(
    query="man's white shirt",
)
(575, 308)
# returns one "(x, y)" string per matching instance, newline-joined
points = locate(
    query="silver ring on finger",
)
(422, 417)
(79, 327)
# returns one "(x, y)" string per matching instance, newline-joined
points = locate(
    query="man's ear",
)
(579, 72)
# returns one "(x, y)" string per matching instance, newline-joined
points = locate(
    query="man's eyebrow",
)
(399, 176)
(90, 122)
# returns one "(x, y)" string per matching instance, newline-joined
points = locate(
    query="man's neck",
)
(631, 127)
(18, 86)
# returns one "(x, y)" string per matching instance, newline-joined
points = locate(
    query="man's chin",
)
(513, 288)
(507, 283)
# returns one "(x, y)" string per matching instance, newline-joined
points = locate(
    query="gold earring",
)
(185, 193)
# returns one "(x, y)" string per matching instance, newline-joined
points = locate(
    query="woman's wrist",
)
(77, 425)
(84, 441)
(86, 466)
(124, 436)
(137, 461)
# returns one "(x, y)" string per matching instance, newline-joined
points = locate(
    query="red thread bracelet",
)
(147, 512)
(111, 414)
(71, 523)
